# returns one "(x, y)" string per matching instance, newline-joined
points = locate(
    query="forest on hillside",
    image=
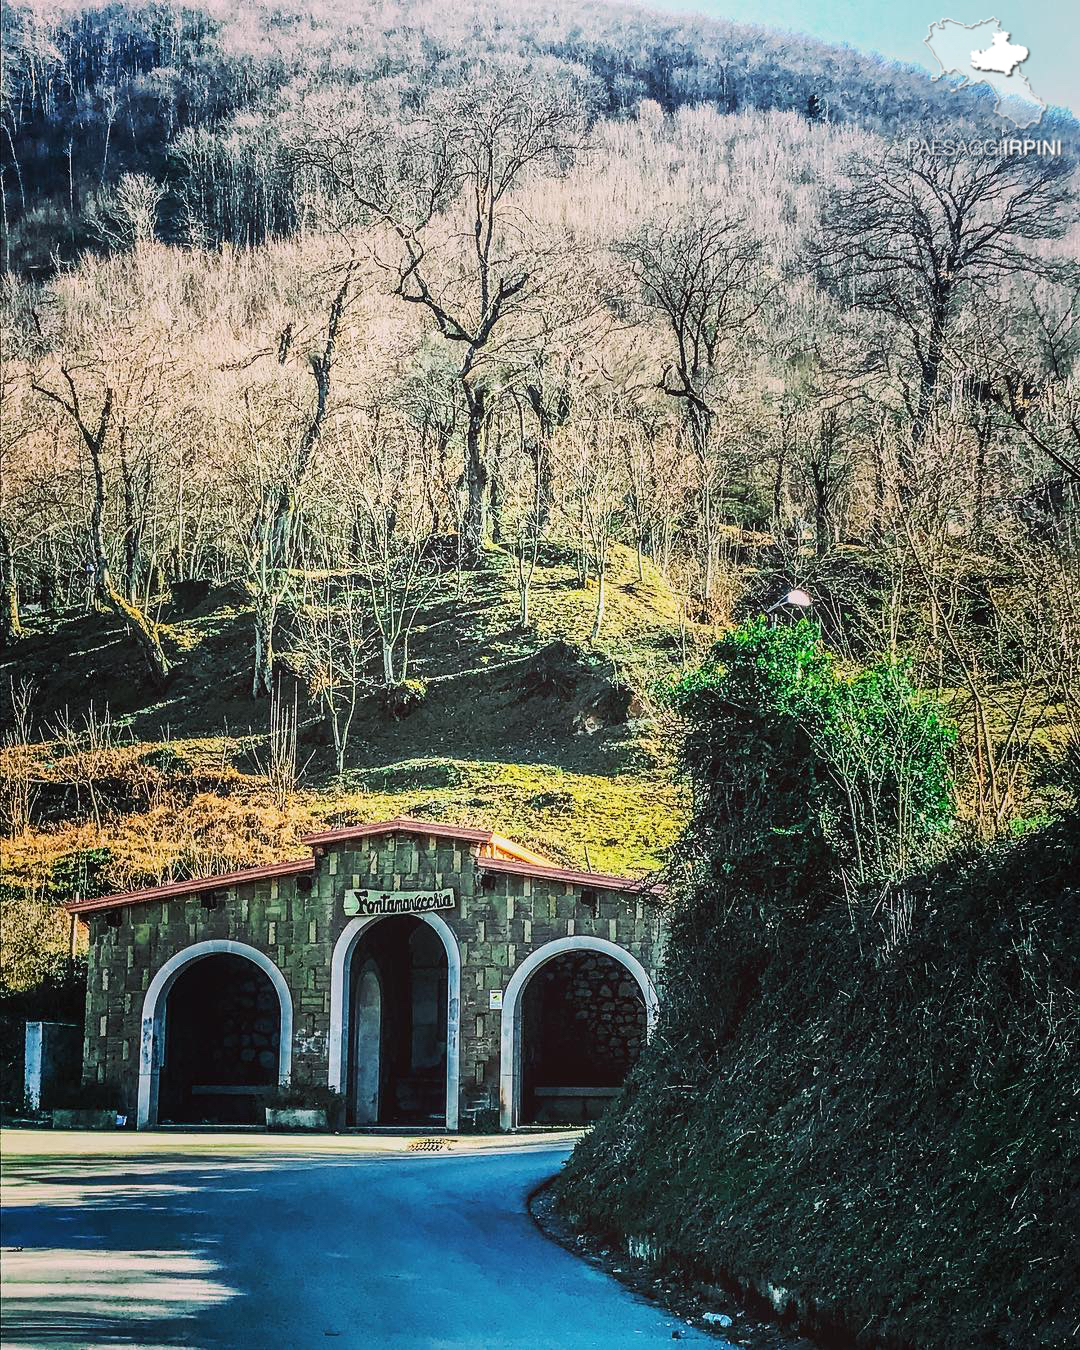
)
(415, 408)
(339, 310)
(204, 99)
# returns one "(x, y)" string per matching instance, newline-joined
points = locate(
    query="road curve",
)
(250, 1249)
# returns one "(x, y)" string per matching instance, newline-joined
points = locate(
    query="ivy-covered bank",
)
(861, 1100)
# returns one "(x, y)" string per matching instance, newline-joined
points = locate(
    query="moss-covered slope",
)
(883, 1138)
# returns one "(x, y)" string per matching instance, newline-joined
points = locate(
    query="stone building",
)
(431, 974)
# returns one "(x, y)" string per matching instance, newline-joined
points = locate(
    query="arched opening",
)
(222, 1044)
(583, 1025)
(399, 987)
(213, 1051)
(576, 1014)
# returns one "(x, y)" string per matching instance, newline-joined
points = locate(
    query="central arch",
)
(340, 980)
(510, 1046)
(155, 1006)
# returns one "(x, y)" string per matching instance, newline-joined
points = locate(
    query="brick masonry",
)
(499, 920)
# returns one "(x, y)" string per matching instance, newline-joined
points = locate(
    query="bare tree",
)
(530, 508)
(1029, 371)
(95, 426)
(281, 766)
(701, 271)
(11, 628)
(334, 643)
(18, 783)
(593, 462)
(466, 152)
(392, 542)
(126, 216)
(273, 531)
(911, 234)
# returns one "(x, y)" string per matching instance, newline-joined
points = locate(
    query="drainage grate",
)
(429, 1145)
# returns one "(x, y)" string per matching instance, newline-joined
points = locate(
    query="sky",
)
(1050, 29)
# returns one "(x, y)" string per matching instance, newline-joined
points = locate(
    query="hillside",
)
(537, 734)
(884, 1152)
(858, 1107)
(197, 95)
(639, 436)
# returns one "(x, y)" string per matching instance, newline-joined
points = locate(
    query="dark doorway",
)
(397, 1019)
(583, 1025)
(222, 1039)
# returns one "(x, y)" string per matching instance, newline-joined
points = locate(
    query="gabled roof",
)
(603, 881)
(497, 845)
(496, 855)
(193, 885)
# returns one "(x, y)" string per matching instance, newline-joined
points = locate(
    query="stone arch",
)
(155, 1003)
(340, 970)
(510, 1041)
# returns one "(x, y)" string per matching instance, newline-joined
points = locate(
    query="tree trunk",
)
(131, 538)
(262, 684)
(778, 492)
(11, 628)
(547, 420)
(143, 630)
(275, 525)
(601, 598)
(707, 540)
(475, 524)
(139, 626)
(46, 590)
(496, 494)
(930, 372)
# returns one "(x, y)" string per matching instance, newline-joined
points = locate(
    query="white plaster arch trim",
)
(510, 1040)
(340, 969)
(155, 1003)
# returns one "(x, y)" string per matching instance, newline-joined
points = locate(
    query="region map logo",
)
(983, 53)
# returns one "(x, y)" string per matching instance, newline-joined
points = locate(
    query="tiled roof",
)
(193, 885)
(603, 881)
(497, 855)
(438, 828)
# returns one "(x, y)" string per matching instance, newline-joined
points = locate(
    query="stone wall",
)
(583, 1022)
(498, 921)
(289, 927)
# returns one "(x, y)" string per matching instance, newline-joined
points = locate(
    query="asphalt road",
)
(248, 1249)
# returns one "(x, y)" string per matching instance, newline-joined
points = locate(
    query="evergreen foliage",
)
(858, 1094)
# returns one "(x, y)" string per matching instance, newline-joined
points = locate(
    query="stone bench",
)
(576, 1091)
(572, 1105)
(230, 1089)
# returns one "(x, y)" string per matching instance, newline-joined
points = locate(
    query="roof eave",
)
(604, 881)
(176, 889)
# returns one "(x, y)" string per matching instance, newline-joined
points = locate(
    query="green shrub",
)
(862, 1085)
(84, 874)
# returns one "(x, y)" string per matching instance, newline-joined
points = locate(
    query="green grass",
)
(507, 738)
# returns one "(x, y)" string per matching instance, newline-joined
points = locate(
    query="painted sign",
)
(397, 902)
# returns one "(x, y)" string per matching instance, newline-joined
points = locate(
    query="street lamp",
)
(797, 599)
